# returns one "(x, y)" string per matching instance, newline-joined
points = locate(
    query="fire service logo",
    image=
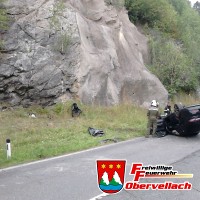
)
(111, 177)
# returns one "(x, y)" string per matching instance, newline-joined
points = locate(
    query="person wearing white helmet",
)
(152, 114)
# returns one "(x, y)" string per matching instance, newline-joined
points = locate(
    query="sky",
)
(193, 1)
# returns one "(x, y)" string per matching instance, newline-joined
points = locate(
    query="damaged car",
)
(184, 121)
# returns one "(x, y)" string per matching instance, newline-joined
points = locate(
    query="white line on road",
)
(99, 196)
(63, 156)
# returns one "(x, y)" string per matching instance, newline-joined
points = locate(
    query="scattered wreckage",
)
(184, 121)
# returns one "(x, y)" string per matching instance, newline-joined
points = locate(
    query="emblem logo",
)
(111, 175)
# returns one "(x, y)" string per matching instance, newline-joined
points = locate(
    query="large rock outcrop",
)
(81, 49)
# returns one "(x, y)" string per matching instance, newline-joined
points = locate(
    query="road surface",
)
(74, 176)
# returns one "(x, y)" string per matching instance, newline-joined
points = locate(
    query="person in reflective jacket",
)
(152, 114)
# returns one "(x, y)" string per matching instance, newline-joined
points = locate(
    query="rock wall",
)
(78, 49)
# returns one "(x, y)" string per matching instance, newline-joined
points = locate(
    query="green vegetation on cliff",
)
(3, 21)
(173, 28)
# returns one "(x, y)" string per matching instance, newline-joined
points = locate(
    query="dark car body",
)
(184, 121)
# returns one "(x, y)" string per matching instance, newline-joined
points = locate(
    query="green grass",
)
(54, 132)
(186, 99)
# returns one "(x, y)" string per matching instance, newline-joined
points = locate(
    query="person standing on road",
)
(152, 114)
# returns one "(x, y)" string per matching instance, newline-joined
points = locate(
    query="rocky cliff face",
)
(78, 49)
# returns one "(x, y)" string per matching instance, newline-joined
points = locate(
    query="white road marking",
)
(63, 156)
(99, 196)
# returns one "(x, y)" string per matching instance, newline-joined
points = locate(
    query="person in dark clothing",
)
(76, 111)
(167, 109)
(173, 120)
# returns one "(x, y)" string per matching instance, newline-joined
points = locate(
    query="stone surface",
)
(82, 50)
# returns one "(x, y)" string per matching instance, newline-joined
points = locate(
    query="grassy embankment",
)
(55, 132)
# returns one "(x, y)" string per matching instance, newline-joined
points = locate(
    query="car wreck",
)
(184, 121)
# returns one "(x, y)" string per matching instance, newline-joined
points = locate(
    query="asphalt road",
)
(74, 176)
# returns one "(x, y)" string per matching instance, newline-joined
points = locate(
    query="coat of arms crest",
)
(111, 175)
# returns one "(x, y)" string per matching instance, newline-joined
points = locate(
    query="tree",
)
(154, 13)
(173, 27)
(179, 5)
(196, 6)
(172, 66)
